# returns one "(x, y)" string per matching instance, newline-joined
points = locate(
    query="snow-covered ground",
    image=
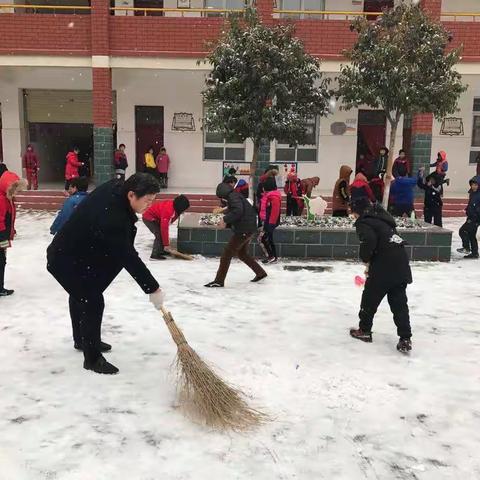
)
(341, 409)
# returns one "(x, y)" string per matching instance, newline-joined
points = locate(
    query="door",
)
(372, 130)
(148, 132)
(376, 6)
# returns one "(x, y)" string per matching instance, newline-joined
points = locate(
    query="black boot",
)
(404, 345)
(101, 366)
(5, 293)
(103, 347)
(361, 335)
(472, 256)
(259, 277)
(214, 284)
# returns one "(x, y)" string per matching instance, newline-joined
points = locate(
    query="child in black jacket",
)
(388, 271)
(432, 203)
(468, 231)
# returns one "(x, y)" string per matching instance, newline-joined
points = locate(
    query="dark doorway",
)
(376, 6)
(371, 132)
(148, 4)
(1, 145)
(53, 141)
(148, 132)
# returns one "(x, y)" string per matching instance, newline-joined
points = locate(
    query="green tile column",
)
(421, 143)
(103, 154)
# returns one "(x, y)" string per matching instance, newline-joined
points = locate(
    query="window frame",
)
(224, 145)
(296, 149)
(475, 115)
(302, 16)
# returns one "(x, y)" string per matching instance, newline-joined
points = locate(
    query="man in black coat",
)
(388, 271)
(92, 248)
(241, 217)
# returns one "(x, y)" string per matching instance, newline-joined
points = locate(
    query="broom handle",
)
(175, 332)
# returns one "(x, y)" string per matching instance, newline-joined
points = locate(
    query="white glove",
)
(157, 298)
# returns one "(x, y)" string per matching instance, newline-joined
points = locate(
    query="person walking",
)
(31, 165)
(241, 217)
(120, 162)
(72, 166)
(91, 249)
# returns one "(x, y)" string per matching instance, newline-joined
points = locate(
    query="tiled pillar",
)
(421, 143)
(102, 92)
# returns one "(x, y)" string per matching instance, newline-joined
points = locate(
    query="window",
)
(302, 153)
(224, 5)
(475, 150)
(304, 5)
(217, 147)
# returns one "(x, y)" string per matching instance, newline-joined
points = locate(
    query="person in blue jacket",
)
(402, 195)
(78, 193)
(468, 231)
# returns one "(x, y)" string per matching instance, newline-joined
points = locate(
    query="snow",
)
(340, 409)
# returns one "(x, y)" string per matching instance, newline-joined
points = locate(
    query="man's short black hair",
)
(75, 148)
(230, 179)
(121, 145)
(80, 183)
(232, 171)
(141, 184)
(401, 151)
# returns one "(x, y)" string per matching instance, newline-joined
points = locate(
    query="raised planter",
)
(425, 242)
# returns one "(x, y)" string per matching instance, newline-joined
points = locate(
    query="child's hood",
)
(6, 182)
(443, 155)
(345, 172)
(273, 193)
(360, 177)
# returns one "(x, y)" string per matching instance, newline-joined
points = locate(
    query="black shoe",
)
(472, 256)
(259, 277)
(6, 293)
(404, 345)
(101, 366)
(104, 347)
(164, 253)
(214, 285)
(158, 257)
(269, 260)
(361, 335)
(463, 250)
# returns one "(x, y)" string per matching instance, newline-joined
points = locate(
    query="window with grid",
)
(475, 149)
(302, 5)
(302, 153)
(218, 147)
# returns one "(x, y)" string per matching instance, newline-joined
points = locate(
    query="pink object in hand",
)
(359, 281)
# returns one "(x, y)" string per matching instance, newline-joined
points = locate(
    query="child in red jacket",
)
(72, 166)
(31, 164)
(158, 218)
(270, 217)
(10, 185)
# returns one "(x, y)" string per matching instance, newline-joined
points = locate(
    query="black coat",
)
(380, 165)
(433, 195)
(382, 248)
(241, 217)
(96, 243)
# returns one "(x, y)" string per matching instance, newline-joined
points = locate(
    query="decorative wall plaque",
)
(338, 128)
(452, 126)
(183, 122)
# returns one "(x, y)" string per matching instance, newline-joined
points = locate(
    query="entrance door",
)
(376, 6)
(372, 129)
(148, 132)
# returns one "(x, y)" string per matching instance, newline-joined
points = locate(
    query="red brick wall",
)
(102, 97)
(45, 34)
(433, 7)
(151, 36)
(468, 35)
(100, 16)
(422, 123)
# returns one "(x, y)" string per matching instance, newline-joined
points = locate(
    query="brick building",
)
(99, 73)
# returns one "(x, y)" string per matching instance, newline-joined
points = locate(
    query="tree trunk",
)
(253, 171)
(388, 175)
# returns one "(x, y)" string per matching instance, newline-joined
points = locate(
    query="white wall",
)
(458, 147)
(12, 81)
(466, 6)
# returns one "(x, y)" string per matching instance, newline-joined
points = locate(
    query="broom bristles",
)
(204, 395)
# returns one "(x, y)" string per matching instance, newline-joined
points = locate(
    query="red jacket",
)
(360, 188)
(30, 160)
(270, 207)
(71, 168)
(163, 162)
(7, 210)
(120, 161)
(162, 211)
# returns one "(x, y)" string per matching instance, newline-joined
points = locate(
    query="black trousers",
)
(87, 314)
(468, 234)
(373, 294)
(402, 209)
(267, 240)
(3, 262)
(154, 227)
(433, 213)
(292, 206)
(163, 178)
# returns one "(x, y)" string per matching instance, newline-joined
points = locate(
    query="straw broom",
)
(203, 394)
